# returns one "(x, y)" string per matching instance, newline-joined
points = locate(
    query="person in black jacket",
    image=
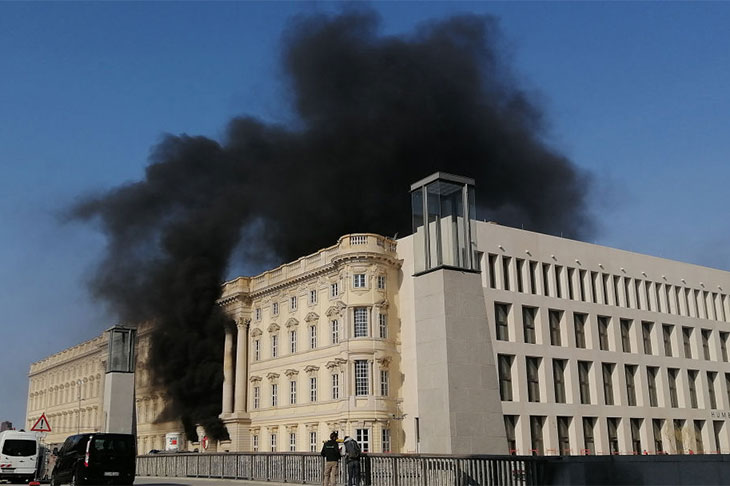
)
(331, 453)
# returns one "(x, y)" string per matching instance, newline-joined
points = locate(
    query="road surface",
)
(193, 482)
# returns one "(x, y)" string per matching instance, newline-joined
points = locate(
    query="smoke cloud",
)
(373, 114)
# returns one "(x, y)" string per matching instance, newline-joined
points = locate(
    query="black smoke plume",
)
(373, 114)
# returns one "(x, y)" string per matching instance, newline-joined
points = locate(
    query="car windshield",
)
(109, 444)
(19, 447)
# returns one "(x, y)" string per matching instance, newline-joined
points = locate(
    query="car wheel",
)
(75, 481)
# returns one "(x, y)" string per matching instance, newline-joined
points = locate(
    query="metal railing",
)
(376, 469)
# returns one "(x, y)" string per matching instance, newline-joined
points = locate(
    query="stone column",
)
(241, 388)
(228, 373)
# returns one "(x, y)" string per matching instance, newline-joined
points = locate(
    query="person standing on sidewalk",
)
(331, 453)
(352, 456)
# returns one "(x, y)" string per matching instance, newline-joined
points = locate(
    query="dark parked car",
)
(95, 459)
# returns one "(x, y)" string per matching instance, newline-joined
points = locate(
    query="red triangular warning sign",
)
(41, 425)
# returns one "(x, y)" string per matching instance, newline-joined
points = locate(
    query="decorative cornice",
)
(254, 379)
(274, 327)
(256, 332)
(272, 376)
(312, 316)
(291, 322)
(311, 368)
(291, 372)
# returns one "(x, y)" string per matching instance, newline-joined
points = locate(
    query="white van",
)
(18, 455)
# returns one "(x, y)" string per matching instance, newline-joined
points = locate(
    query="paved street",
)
(195, 482)
(203, 482)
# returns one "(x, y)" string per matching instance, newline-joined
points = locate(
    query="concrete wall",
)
(458, 399)
(631, 470)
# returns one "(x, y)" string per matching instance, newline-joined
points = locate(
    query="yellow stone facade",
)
(69, 388)
(316, 349)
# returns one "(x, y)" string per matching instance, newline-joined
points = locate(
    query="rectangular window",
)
(571, 278)
(613, 425)
(723, 345)
(699, 444)
(256, 396)
(520, 269)
(603, 323)
(727, 385)
(528, 324)
(362, 436)
(255, 443)
(361, 321)
(646, 328)
(258, 313)
(274, 395)
(606, 284)
(717, 429)
(625, 335)
(292, 341)
(313, 442)
(381, 282)
(257, 349)
(358, 280)
(706, 334)
(657, 425)
(692, 382)
(312, 337)
(672, 374)
(667, 333)
(335, 331)
(504, 362)
(334, 290)
(582, 285)
(563, 436)
(636, 435)
(678, 433)
(584, 368)
(589, 443)
(579, 322)
(273, 442)
(492, 271)
(335, 386)
(558, 287)
(385, 440)
(293, 303)
(292, 393)
(607, 369)
(362, 384)
(652, 373)
(510, 427)
(275, 308)
(630, 372)
(501, 311)
(274, 345)
(292, 442)
(505, 272)
(686, 339)
(711, 389)
(383, 325)
(536, 441)
(546, 279)
(533, 277)
(312, 388)
(559, 366)
(312, 296)
(533, 380)
(555, 316)
(384, 383)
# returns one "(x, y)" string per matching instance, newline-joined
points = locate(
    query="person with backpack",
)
(352, 458)
(331, 452)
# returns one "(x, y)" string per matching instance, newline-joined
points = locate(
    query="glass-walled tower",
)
(443, 206)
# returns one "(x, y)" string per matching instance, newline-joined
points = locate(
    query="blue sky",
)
(636, 93)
